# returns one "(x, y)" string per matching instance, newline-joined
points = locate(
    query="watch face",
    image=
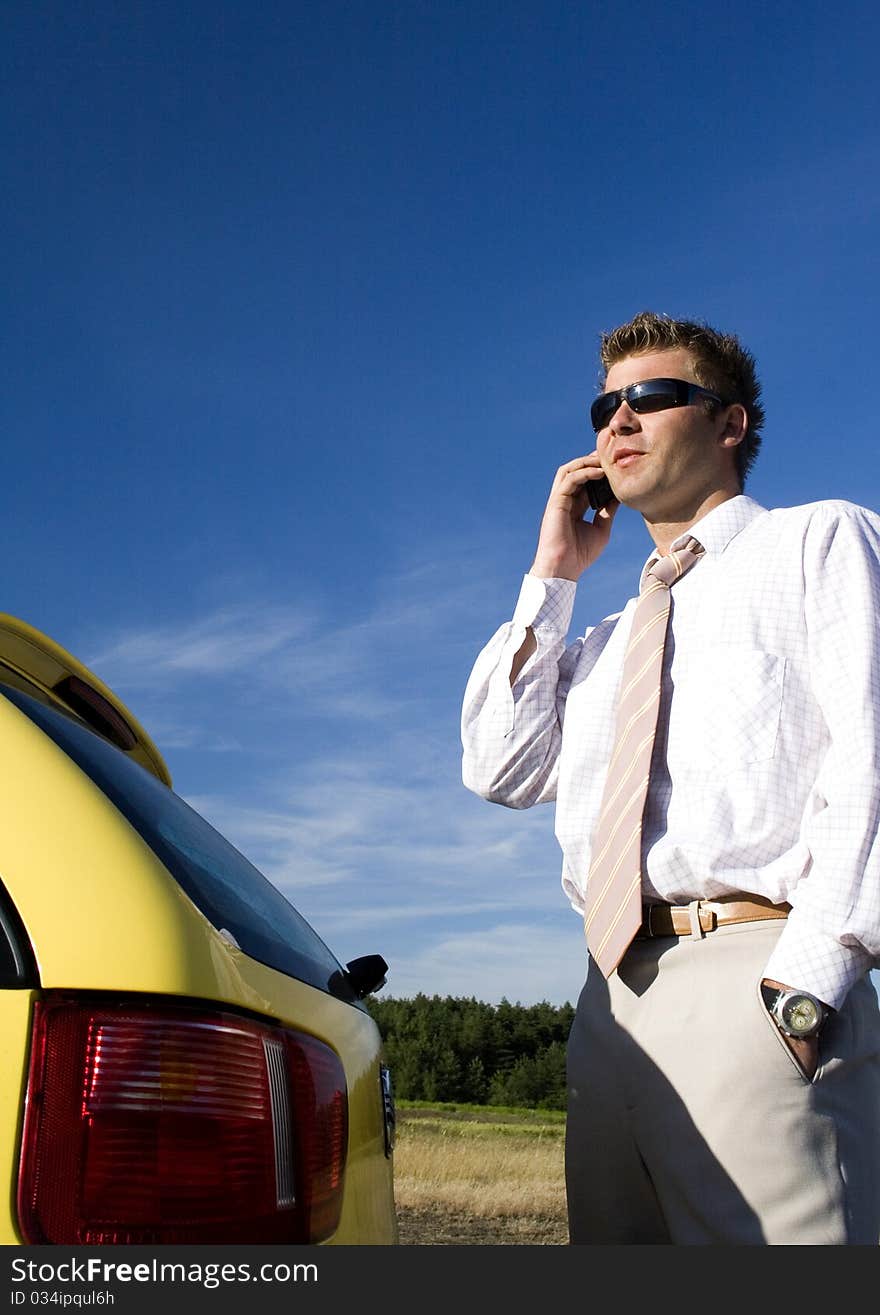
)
(800, 1015)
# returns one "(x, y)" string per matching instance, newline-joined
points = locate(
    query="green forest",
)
(444, 1048)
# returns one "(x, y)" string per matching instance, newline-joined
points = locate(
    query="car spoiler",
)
(65, 682)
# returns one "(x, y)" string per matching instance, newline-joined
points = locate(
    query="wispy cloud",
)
(298, 660)
(227, 640)
(425, 845)
(520, 962)
(175, 732)
(341, 776)
(401, 864)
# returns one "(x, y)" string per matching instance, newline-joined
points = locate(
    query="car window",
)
(225, 886)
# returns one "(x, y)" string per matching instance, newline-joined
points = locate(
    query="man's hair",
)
(721, 363)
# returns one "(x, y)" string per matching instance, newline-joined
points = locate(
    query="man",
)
(724, 1061)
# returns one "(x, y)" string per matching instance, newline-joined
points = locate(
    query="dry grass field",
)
(477, 1176)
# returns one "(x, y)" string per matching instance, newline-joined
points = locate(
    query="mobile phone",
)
(599, 493)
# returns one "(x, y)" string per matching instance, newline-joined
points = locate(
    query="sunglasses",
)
(646, 396)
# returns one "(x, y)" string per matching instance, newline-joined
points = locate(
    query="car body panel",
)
(104, 914)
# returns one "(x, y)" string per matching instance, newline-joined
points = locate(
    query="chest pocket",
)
(726, 707)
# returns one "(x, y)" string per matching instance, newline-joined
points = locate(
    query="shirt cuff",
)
(545, 604)
(811, 960)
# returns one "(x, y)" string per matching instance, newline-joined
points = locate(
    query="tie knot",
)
(669, 568)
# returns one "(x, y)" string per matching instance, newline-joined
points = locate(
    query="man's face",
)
(665, 464)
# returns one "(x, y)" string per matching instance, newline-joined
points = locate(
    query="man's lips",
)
(625, 456)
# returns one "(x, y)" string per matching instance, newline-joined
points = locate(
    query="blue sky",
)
(302, 305)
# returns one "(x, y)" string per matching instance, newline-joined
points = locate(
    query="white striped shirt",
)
(765, 776)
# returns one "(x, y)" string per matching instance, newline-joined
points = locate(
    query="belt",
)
(676, 919)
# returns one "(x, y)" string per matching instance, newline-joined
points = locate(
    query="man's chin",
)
(631, 498)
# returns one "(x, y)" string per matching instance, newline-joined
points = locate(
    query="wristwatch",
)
(797, 1013)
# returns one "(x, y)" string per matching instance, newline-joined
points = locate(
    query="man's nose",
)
(624, 420)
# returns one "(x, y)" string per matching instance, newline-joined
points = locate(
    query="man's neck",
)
(665, 532)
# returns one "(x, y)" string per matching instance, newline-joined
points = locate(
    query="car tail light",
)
(151, 1124)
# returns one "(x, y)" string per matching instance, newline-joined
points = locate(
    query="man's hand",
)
(568, 544)
(804, 1049)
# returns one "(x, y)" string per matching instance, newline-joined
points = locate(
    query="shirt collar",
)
(717, 529)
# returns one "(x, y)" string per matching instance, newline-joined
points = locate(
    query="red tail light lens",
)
(156, 1125)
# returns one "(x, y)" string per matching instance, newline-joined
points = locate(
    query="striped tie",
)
(614, 888)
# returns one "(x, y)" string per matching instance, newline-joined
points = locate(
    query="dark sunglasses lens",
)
(653, 395)
(603, 409)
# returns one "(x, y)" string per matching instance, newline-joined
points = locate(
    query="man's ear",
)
(736, 425)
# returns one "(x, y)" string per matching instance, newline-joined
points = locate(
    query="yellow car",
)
(184, 1060)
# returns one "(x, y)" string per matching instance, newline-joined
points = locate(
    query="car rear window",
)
(225, 886)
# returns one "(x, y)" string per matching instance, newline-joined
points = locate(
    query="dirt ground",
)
(436, 1227)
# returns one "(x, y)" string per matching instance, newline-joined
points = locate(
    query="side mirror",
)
(366, 974)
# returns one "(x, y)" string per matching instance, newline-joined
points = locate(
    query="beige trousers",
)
(690, 1121)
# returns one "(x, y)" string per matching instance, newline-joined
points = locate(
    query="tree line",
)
(450, 1049)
